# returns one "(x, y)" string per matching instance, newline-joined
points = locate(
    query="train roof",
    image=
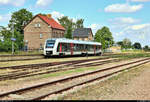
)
(74, 41)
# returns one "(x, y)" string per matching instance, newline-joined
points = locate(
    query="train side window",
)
(91, 47)
(68, 47)
(75, 47)
(78, 47)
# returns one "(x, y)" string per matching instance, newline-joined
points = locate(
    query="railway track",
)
(35, 66)
(62, 67)
(20, 59)
(21, 55)
(43, 90)
(8, 58)
(39, 56)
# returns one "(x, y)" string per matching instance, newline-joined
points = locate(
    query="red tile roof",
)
(51, 22)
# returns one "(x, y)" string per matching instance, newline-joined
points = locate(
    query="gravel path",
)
(137, 89)
(131, 85)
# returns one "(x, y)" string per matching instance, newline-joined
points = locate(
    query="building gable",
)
(82, 32)
(37, 25)
(50, 21)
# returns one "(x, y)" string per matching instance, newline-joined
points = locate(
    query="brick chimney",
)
(49, 15)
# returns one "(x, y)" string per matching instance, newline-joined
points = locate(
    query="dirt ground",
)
(130, 85)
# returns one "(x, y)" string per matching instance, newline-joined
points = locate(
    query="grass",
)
(68, 72)
(132, 51)
(134, 55)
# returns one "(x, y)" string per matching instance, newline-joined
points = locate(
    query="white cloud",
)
(123, 8)
(124, 20)
(137, 32)
(94, 27)
(140, 26)
(140, 0)
(142, 36)
(4, 1)
(43, 3)
(0, 18)
(5, 17)
(12, 2)
(128, 20)
(56, 14)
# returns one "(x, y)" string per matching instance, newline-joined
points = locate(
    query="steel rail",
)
(49, 64)
(52, 70)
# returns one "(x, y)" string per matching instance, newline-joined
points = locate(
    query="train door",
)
(71, 46)
(94, 49)
(60, 47)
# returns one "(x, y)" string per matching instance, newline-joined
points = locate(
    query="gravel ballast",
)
(131, 85)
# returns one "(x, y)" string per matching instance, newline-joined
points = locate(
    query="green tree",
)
(104, 36)
(69, 25)
(19, 18)
(120, 43)
(137, 45)
(146, 48)
(69, 33)
(127, 43)
(6, 45)
(79, 23)
(17, 22)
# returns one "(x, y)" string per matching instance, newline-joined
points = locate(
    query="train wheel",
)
(45, 56)
(100, 54)
(61, 55)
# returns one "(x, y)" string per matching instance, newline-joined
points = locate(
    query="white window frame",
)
(36, 25)
(41, 35)
(39, 25)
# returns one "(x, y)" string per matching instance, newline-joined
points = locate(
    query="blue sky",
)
(125, 18)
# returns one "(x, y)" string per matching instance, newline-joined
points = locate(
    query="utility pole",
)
(12, 40)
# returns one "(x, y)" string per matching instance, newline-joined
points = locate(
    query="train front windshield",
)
(50, 43)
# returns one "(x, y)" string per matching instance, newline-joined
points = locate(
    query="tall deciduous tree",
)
(69, 33)
(146, 48)
(17, 22)
(105, 37)
(79, 23)
(120, 43)
(6, 44)
(69, 25)
(127, 43)
(19, 18)
(137, 45)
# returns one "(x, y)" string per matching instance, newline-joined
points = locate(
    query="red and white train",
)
(62, 47)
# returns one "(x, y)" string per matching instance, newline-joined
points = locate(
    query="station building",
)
(40, 28)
